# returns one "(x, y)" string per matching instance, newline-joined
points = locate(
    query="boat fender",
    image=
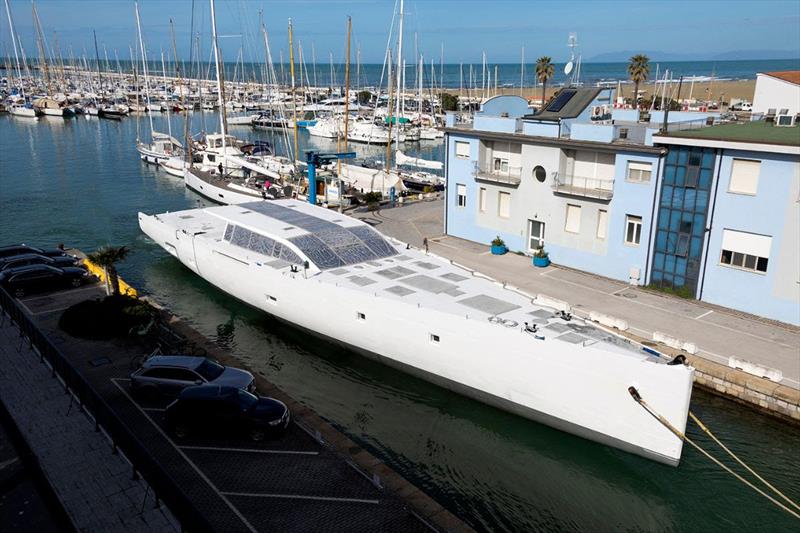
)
(679, 359)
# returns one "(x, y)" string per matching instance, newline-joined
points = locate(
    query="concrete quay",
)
(719, 334)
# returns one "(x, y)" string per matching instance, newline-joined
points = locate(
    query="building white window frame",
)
(633, 230)
(637, 173)
(462, 150)
(500, 196)
(751, 191)
(745, 251)
(572, 224)
(602, 224)
(482, 199)
(461, 195)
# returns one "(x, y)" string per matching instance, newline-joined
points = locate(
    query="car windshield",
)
(210, 370)
(247, 399)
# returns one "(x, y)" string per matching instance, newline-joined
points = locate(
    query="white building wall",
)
(777, 94)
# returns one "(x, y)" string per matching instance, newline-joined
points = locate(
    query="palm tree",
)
(638, 69)
(544, 71)
(107, 257)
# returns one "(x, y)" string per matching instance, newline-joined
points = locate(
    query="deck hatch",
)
(452, 276)
(541, 313)
(558, 327)
(427, 283)
(488, 304)
(399, 291)
(572, 338)
(361, 281)
(426, 265)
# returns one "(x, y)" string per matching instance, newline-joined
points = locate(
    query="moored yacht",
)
(339, 279)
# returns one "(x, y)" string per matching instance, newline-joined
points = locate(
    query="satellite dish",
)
(568, 68)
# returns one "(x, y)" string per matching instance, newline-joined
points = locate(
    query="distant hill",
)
(734, 55)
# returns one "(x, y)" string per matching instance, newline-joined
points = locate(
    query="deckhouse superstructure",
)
(338, 278)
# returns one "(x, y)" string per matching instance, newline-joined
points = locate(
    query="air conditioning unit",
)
(786, 121)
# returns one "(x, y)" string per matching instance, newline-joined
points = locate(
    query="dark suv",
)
(19, 249)
(168, 375)
(15, 261)
(226, 410)
(41, 278)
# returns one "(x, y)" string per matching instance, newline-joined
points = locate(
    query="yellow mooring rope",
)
(635, 394)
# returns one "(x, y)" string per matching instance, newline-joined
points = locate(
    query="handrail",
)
(166, 488)
(583, 186)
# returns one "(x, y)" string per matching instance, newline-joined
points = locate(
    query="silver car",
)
(168, 375)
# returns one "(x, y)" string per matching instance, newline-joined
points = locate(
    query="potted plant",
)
(541, 258)
(498, 246)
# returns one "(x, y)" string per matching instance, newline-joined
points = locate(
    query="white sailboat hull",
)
(579, 390)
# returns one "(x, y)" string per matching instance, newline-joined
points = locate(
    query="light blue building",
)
(569, 179)
(728, 229)
(604, 193)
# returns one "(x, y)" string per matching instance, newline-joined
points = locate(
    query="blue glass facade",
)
(681, 220)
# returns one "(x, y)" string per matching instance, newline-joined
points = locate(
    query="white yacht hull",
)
(220, 195)
(580, 391)
(23, 112)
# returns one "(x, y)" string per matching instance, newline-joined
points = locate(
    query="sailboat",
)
(162, 146)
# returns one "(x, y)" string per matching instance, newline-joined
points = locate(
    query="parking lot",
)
(293, 482)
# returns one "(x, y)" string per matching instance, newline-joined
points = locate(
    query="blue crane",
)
(315, 159)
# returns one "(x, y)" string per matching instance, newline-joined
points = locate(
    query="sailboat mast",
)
(399, 74)
(144, 67)
(13, 41)
(389, 110)
(346, 105)
(294, 91)
(221, 96)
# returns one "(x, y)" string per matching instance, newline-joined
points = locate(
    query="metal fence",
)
(122, 437)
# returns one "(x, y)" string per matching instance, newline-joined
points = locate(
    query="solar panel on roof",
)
(561, 100)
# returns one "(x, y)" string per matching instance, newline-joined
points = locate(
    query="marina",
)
(259, 288)
(456, 455)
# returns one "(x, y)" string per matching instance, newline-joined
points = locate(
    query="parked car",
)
(19, 249)
(41, 278)
(15, 261)
(168, 375)
(226, 410)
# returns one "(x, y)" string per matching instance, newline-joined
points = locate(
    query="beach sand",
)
(716, 90)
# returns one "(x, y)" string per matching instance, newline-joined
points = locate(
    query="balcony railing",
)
(509, 176)
(579, 186)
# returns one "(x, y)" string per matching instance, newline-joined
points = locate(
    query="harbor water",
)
(80, 182)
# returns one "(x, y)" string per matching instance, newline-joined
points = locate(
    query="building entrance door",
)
(535, 235)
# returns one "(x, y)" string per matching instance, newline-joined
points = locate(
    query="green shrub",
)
(107, 318)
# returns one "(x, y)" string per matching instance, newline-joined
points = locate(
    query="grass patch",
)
(681, 292)
(107, 318)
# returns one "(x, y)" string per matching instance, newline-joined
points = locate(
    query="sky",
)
(462, 29)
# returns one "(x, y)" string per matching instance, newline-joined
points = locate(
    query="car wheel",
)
(181, 431)
(19, 293)
(256, 434)
(76, 282)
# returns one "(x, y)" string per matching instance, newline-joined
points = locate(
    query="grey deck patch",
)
(454, 292)
(540, 321)
(373, 263)
(571, 337)
(488, 304)
(541, 313)
(426, 265)
(278, 264)
(339, 271)
(427, 283)
(361, 281)
(395, 272)
(185, 217)
(400, 291)
(558, 327)
(402, 258)
(452, 276)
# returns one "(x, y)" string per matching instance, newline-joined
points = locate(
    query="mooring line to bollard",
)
(666, 423)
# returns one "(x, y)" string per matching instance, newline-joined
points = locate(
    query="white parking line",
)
(298, 497)
(704, 314)
(248, 450)
(186, 458)
(155, 409)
